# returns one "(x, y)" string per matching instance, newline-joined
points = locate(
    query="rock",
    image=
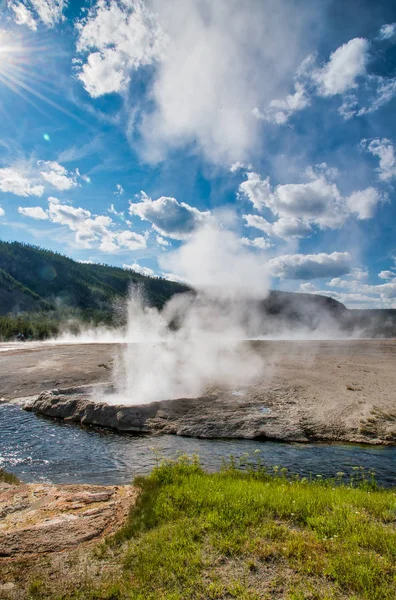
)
(38, 518)
(216, 415)
(272, 410)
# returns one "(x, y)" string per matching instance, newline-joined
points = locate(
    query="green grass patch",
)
(249, 535)
(6, 477)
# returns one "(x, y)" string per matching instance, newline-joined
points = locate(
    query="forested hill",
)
(33, 279)
(41, 290)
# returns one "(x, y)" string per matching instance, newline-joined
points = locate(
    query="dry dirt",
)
(345, 387)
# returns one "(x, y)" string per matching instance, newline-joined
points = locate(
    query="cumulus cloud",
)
(310, 266)
(387, 275)
(258, 242)
(29, 12)
(238, 166)
(115, 39)
(88, 229)
(363, 203)
(29, 179)
(384, 150)
(14, 181)
(22, 15)
(57, 175)
(281, 110)
(345, 66)
(207, 66)
(35, 212)
(355, 291)
(162, 242)
(285, 227)
(307, 288)
(2, 212)
(299, 206)
(139, 269)
(169, 217)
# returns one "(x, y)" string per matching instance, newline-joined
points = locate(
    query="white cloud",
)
(116, 39)
(169, 217)
(115, 212)
(57, 175)
(258, 242)
(299, 206)
(363, 203)
(280, 111)
(2, 212)
(307, 288)
(208, 63)
(35, 212)
(345, 66)
(387, 31)
(383, 294)
(14, 181)
(119, 190)
(28, 179)
(387, 275)
(50, 12)
(257, 190)
(139, 269)
(285, 227)
(238, 166)
(384, 150)
(22, 15)
(173, 277)
(376, 92)
(310, 266)
(88, 229)
(130, 240)
(161, 241)
(213, 71)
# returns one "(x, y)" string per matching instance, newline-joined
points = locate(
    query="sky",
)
(127, 126)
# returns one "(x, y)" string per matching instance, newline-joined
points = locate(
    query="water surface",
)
(38, 449)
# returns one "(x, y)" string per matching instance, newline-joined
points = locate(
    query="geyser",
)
(196, 341)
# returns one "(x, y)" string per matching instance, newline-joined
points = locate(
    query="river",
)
(38, 449)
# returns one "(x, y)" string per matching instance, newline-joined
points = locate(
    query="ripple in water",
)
(37, 449)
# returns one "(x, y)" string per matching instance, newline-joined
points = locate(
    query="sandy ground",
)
(349, 384)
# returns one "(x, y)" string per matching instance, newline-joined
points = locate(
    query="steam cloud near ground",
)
(195, 341)
(198, 340)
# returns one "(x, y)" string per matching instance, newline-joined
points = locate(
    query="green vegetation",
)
(6, 477)
(41, 292)
(248, 535)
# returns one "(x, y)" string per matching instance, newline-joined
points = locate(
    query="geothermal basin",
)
(339, 391)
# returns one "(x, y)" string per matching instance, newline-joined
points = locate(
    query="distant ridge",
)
(32, 279)
(40, 289)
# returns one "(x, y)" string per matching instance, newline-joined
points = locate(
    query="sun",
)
(23, 71)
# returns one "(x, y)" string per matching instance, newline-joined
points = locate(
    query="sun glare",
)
(22, 70)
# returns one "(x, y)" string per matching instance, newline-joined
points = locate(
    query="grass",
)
(6, 477)
(248, 535)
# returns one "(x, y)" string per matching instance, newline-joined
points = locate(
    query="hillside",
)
(40, 289)
(32, 279)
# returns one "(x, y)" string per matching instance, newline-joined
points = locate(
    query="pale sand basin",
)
(309, 390)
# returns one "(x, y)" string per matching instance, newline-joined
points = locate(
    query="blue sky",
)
(127, 126)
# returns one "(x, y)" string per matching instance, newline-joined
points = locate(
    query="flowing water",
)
(38, 449)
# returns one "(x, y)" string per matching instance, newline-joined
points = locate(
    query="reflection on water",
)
(37, 449)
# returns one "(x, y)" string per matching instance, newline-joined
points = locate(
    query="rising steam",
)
(195, 342)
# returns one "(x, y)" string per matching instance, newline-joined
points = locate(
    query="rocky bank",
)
(257, 412)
